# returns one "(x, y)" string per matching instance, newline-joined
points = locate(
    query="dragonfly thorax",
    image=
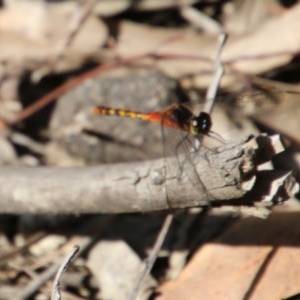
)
(201, 124)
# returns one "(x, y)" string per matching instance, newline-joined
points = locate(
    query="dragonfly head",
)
(201, 124)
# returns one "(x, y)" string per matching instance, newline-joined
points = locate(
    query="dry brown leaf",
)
(276, 106)
(136, 39)
(241, 17)
(14, 18)
(257, 259)
(260, 46)
(283, 117)
(32, 41)
(279, 35)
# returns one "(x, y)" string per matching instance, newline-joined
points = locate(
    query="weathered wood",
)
(228, 172)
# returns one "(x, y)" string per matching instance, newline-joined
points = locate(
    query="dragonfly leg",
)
(180, 165)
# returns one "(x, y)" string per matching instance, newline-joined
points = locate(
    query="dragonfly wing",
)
(181, 172)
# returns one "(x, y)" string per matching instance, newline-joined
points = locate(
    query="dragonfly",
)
(178, 118)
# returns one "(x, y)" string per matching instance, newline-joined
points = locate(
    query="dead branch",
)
(228, 172)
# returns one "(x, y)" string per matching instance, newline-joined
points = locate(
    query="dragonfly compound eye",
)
(204, 123)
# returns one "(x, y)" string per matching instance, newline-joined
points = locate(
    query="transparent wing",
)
(181, 172)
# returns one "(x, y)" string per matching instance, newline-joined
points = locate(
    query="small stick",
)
(35, 284)
(219, 70)
(55, 295)
(200, 20)
(153, 255)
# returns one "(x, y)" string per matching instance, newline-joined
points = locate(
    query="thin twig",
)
(219, 70)
(153, 255)
(25, 141)
(55, 295)
(200, 20)
(53, 95)
(17, 250)
(35, 284)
